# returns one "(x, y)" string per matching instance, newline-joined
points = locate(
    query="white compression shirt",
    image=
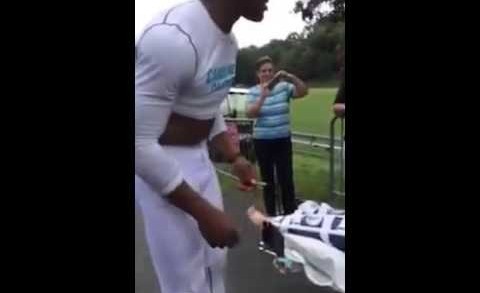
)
(184, 64)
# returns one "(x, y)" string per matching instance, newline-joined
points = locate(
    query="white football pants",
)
(183, 260)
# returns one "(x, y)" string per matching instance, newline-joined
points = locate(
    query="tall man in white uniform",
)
(185, 65)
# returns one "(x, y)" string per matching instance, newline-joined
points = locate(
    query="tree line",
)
(312, 55)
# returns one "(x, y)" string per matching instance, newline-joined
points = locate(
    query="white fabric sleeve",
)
(219, 125)
(165, 62)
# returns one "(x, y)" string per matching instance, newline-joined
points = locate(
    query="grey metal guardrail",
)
(315, 140)
(337, 189)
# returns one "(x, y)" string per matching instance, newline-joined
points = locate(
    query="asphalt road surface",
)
(248, 270)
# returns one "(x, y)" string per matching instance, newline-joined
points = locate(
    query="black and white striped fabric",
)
(316, 221)
(314, 235)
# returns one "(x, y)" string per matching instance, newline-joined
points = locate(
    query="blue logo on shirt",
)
(221, 77)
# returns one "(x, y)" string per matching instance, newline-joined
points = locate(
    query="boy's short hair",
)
(262, 60)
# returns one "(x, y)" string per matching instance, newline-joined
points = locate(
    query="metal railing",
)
(334, 144)
(315, 140)
(337, 189)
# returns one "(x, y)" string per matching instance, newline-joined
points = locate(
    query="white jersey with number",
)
(314, 235)
(184, 64)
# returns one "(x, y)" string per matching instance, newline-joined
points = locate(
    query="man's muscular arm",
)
(157, 82)
(240, 166)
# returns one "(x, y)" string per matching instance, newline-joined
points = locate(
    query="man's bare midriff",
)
(182, 130)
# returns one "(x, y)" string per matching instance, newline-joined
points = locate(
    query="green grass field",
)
(311, 114)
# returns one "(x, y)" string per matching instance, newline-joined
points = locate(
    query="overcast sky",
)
(278, 23)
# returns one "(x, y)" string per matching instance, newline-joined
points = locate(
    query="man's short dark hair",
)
(261, 61)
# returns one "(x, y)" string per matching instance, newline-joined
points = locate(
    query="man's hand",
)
(245, 171)
(339, 109)
(257, 218)
(217, 229)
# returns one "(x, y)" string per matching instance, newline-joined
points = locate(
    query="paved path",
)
(248, 270)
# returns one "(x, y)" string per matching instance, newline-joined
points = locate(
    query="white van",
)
(236, 100)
